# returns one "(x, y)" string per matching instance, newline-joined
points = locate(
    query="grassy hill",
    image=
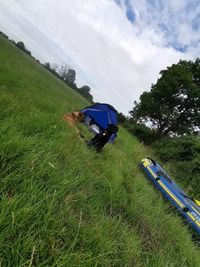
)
(64, 205)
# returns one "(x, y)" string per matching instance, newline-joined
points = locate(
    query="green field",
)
(64, 205)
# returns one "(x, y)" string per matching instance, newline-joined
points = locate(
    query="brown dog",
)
(73, 118)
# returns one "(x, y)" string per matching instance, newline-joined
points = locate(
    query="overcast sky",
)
(117, 47)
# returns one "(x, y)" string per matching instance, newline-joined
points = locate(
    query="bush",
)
(184, 148)
(183, 156)
(142, 132)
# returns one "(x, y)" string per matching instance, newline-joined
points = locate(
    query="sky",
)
(117, 47)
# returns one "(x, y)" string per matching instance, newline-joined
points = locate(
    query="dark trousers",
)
(99, 141)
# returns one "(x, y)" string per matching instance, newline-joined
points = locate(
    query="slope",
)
(63, 205)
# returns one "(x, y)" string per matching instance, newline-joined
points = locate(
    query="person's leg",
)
(98, 141)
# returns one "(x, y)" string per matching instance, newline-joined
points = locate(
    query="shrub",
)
(142, 132)
(183, 156)
(184, 148)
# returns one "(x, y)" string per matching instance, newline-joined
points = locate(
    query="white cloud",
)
(118, 59)
(172, 21)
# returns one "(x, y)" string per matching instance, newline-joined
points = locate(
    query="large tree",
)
(173, 104)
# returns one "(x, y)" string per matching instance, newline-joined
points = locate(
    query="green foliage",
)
(85, 92)
(141, 131)
(122, 119)
(183, 157)
(64, 205)
(178, 148)
(173, 104)
(144, 134)
(68, 75)
(71, 76)
(21, 46)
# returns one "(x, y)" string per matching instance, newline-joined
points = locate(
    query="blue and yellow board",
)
(188, 207)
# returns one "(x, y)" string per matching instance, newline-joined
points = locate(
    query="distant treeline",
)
(65, 73)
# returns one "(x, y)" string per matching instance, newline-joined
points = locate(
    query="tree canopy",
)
(85, 92)
(173, 104)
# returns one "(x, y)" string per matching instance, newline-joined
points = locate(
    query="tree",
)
(4, 35)
(173, 104)
(122, 118)
(47, 65)
(71, 77)
(21, 46)
(55, 67)
(68, 75)
(63, 72)
(85, 92)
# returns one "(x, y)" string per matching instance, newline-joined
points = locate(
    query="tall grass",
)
(65, 205)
